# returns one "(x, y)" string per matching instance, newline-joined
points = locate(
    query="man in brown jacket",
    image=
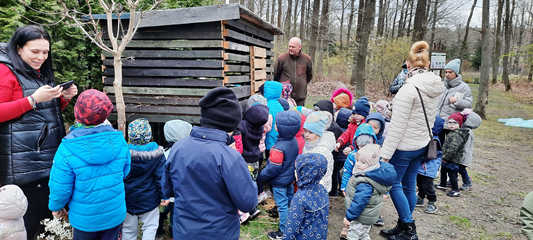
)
(296, 67)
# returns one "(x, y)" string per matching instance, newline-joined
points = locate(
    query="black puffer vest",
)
(28, 144)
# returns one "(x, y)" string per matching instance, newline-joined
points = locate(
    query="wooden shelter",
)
(178, 55)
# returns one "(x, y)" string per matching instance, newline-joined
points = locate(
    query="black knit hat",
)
(220, 110)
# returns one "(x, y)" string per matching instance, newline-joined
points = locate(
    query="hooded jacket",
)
(143, 184)
(430, 167)
(398, 81)
(453, 150)
(88, 173)
(309, 209)
(300, 135)
(378, 117)
(364, 194)
(279, 169)
(13, 205)
(343, 116)
(350, 161)
(325, 146)
(209, 181)
(251, 128)
(407, 129)
(473, 121)
(445, 108)
(326, 105)
(272, 93)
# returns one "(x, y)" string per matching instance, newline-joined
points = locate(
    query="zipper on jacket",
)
(42, 139)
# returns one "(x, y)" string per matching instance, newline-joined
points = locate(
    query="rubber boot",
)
(391, 232)
(407, 232)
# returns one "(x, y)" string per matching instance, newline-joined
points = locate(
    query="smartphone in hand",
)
(66, 85)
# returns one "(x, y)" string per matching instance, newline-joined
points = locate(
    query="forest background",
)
(356, 42)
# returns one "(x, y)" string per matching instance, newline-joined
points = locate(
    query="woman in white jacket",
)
(408, 136)
(13, 205)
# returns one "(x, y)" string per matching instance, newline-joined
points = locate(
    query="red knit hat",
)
(458, 117)
(92, 107)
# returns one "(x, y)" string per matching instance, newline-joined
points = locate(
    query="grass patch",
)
(520, 194)
(483, 179)
(462, 222)
(258, 228)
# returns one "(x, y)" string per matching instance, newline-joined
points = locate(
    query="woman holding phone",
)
(31, 123)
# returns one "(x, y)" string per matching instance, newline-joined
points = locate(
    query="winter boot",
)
(407, 232)
(390, 232)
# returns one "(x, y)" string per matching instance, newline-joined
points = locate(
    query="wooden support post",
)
(252, 71)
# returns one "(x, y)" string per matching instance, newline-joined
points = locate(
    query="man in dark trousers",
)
(296, 67)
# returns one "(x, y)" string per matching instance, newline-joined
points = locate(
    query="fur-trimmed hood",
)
(342, 90)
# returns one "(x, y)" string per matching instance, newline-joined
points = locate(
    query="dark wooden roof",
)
(202, 14)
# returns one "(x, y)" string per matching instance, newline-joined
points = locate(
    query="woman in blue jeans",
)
(408, 136)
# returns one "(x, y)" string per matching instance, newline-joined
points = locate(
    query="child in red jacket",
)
(362, 109)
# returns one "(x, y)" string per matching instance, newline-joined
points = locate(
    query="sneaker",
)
(432, 207)
(261, 197)
(243, 217)
(275, 235)
(380, 222)
(440, 187)
(466, 186)
(453, 193)
(254, 213)
(419, 202)
(333, 195)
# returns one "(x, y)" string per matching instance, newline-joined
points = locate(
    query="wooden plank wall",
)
(166, 70)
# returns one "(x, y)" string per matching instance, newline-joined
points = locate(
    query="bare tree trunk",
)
(462, 52)
(280, 12)
(251, 4)
(273, 10)
(433, 24)
(358, 71)
(497, 45)
(387, 18)
(516, 65)
(381, 18)
(343, 6)
(505, 62)
(411, 3)
(530, 74)
(302, 19)
(360, 15)
(350, 21)
(288, 19)
(394, 19)
(267, 17)
(295, 18)
(401, 24)
(483, 92)
(308, 21)
(420, 21)
(324, 22)
(314, 30)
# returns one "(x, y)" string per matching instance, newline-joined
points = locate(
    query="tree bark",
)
(505, 62)
(273, 10)
(358, 71)
(360, 15)
(519, 41)
(343, 2)
(251, 5)
(279, 14)
(381, 18)
(483, 91)
(350, 22)
(433, 24)
(462, 52)
(314, 30)
(324, 21)
(295, 18)
(497, 44)
(394, 21)
(411, 3)
(287, 22)
(420, 21)
(302, 20)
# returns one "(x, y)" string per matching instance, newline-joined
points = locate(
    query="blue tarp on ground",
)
(517, 122)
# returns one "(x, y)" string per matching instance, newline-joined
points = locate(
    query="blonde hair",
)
(419, 55)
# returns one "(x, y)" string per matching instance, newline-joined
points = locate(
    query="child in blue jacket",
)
(309, 210)
(280, 166)
(143, 184)
(95, 159)
(428, 172)
(272, 92)
(343, 116)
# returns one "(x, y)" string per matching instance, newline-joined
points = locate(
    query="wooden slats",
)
(237, 25)
(160, 91)
(260, 52)
(161, 63)
(237, 79)
(242, 91)
(197, 31)
(258, 84)
(171, 82)
(237, 68)
(159, 100)
(260, 74)
(150, 72)
(250, 40)
(236, 57)
(259, 63)
(158, 118)
(170, 44)
(196, 54)
(236, 47)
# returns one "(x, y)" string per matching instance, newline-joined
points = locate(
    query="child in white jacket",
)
(13, 205)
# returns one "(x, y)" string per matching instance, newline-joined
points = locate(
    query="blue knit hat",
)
(454, 65)
(316, 122)
(362, 107)
(139, 132)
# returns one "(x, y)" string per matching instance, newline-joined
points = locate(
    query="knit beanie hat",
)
(370, 154)
(454, 65)
(284, 103)
(458, 117)
(342, 100)
(139, 132)
(287, 89)
(256, 99)
(92, 107)
(362, 107)
(220, 109)
(380, 106)
(175, 130)
(316, 122)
